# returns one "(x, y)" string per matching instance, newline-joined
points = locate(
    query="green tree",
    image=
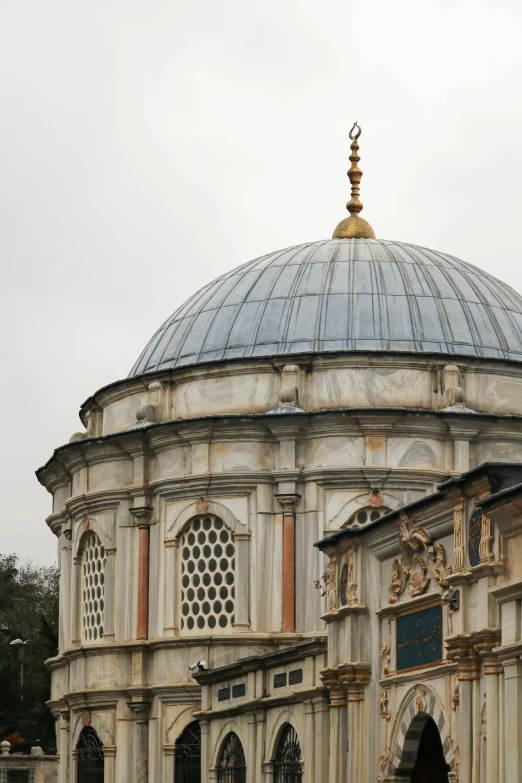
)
(28, 611)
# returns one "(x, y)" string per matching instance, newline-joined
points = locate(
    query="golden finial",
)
(354, 226)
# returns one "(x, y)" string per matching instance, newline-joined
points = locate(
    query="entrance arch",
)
(420, 708)
(430, 764)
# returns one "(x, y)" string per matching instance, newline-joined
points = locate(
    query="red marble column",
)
(142, 631)
(288, 588)
(143, 516)
(288, 572)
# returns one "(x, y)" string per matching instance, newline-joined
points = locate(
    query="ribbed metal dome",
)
(342, 295)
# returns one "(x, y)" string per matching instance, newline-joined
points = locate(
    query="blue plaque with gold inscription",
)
(419, 638)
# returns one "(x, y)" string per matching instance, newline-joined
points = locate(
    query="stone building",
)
(309, 484)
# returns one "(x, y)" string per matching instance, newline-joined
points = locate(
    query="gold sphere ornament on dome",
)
(354, 227)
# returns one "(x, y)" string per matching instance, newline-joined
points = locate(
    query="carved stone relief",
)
(484, 720)
(383, 702)
(348, 584)
(420, 561)
(385, 653)
(458, 535)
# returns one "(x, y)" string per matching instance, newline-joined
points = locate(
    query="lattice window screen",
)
(93, 588)
(207, 575)
(365, 515)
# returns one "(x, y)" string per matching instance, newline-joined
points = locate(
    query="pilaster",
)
(338, 726)
(140, 712)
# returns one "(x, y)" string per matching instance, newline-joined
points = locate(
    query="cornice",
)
(411, 604)
(248, 705)
(443, 669)
(84, 452)
(508, 591)
(364, 475)
(296, 652)
(94, 502)
(183, 642)
(176, 693)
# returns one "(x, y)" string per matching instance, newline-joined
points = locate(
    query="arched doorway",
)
(89, 759)
(430, 764)
(232, 762)
(287, 764)
(188, 755)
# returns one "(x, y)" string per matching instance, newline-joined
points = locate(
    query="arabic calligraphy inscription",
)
(419, 638)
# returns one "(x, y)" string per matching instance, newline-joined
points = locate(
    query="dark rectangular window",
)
(295, 677)
(223, 694)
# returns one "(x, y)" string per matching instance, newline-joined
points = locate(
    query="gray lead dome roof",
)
(342, 295)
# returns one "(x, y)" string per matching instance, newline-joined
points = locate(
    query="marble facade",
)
(262, 444)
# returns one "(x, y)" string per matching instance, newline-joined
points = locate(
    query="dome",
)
(342, 295)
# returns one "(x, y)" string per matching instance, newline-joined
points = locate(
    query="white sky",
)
(147, 147)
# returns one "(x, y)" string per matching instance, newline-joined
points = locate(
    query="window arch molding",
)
(231, 766)
(193, 509)
(360, 502)
(89, 757)
(288, 765)
(285, 718)
(96, 527)
(229, 727)
(103, 724)
(187, 754)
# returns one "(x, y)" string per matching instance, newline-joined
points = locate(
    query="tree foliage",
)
(28, 611)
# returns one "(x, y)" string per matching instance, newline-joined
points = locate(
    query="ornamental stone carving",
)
(383, 702)
(347, 582)
(420, 702)
(420, 562)
(385, 653)
(455, 699)
(384, 765)
(458, 535)
(375, 498)
(332, 580)
(484, 720)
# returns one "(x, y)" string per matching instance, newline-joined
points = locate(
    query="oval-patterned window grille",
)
(365, 515)
(232, 762)
(94, 559)
(208, 575)
(287, 764)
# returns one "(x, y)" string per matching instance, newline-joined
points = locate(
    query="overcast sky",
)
(147, 147)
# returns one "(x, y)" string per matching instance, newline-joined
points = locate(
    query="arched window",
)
(232, 763)
(93, 588)
(208, 575)
(365, 515)
(89, 761)
(287, 764)
(188, 755)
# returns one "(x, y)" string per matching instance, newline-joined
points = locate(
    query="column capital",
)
(142, 514)
(331, 680)
(288, 502)
(140, 710)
